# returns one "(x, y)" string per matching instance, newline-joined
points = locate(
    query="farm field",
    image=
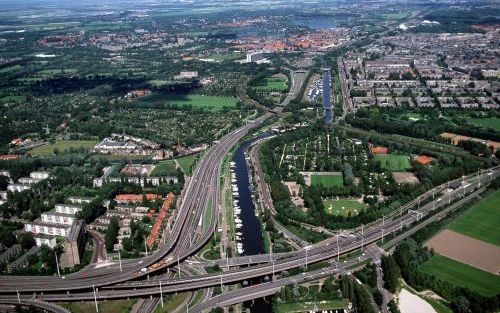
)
(197, 101)
(164, 168)
(343, 206)
(271, 84)
(47, 150)
(481, 220)
(327, 180)
(393, 162)
(491, 122)
(462, 275)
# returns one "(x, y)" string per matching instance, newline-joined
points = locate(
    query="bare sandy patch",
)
(465, 249)
(411, 303)
(405, 178)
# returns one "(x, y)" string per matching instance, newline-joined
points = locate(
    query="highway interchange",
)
(139, 278)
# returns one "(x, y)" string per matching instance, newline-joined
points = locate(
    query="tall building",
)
(327, 105)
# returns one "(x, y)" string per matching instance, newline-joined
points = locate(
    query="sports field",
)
(481, 220)
(463, 275)
(343, 206)
(62, 145)
(271, 84)
(327, 180)
(197, 101)
(393, 162)
(491, 122)
(164, 168)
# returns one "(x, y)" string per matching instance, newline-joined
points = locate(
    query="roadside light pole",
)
(273, 270)
(95, 299)
(382, 235)
(161, 295)
(178, 266)
(146, 245)
(338, 248)
(307, 248)
(120, 260)
(57, 264)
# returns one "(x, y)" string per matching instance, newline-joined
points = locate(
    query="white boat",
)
(233, 180)
(236, 194)
(238, 225)
(239, 233)
(238, 237)
(240, 250)
(235, 188)
(237, 221)
(233, 164)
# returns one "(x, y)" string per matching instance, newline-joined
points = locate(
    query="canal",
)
(251, 232)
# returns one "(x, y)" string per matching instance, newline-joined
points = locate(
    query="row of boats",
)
(238, 223)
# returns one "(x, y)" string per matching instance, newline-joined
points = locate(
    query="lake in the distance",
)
(316, 23)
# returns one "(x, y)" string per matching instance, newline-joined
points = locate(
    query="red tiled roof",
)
(379, 150)
(135, 197)
(161, 216)
(424, 159)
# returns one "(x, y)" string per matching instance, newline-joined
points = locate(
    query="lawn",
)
(114, 306)
(462, 275)
(62, 145)
(186, 163)
(344, 207)
(481, 220)
(327, 180)
(197, 101)
(309, 306)
(226, 57)
(393, 162)
(164, 168)
(270, 84)
(492, 122)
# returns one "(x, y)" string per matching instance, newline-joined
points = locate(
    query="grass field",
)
(327, 180)
(393, 162)
(463, 275)
(343, 206)
(186, 163)
(114, 306)
(309, 307)
(491, 122)
(481, 220)
(164, 168)
(47, 150)
(198, 101)
(272, 83)
(226, 56)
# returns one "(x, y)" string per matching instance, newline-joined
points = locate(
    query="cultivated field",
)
(482, 220)
(393, 162)
(462, 275)
(343, 206)
(197, 101)
(62, 145)
(327, 180)
(477, 253)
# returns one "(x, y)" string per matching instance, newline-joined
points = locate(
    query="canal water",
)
(251, 238)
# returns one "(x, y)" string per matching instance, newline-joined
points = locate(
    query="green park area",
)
(491, 122)
(343, 207)
(393, 162)
(226, 56)
(317, 306)
(327, 180)
(62, 146)
(164, 168)
(481, 220)
(269, 84)
(196, 101)
(186, 163)
(462, 275)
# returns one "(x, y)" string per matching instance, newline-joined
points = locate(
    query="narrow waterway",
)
(251, 232)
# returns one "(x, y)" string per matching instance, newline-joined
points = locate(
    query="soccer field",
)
(47, 150)
(327, 180)
(393, 162)
(481, 220)
(462, 275)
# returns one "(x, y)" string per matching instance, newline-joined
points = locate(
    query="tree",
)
(26, 240)
(391, 273)
(4, 182)
(460, 305)
(111, 236)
